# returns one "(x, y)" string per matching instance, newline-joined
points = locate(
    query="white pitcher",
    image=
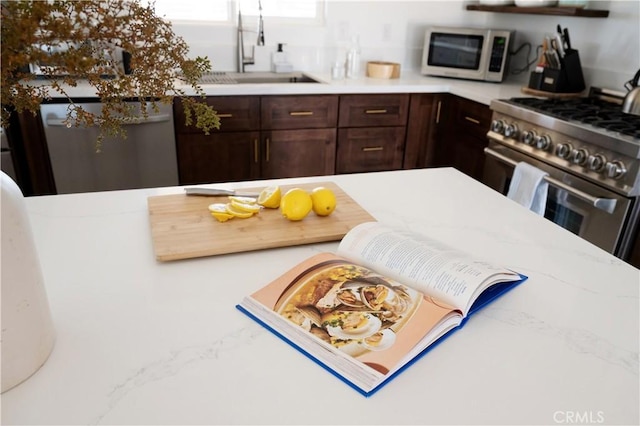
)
(27, 328)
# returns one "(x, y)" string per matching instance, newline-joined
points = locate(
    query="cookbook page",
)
(357, 312)
(423, 263)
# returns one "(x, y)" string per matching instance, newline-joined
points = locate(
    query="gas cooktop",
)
(590, 136)
(597, 119)
(592, 111)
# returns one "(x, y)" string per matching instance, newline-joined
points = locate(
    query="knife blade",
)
(218, 192)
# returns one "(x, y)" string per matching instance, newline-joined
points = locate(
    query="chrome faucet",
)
(242, 58)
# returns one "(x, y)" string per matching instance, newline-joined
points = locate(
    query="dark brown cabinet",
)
(299, 112)
(228, 154)
(295, 153)
(370, 149)
(463, 139)
(427, 119)
(260, 137)
(218, 157)
(298, 135)
(371, 134)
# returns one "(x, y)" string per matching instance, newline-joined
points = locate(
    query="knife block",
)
(567, 79)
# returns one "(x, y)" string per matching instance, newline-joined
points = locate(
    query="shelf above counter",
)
(556, 10)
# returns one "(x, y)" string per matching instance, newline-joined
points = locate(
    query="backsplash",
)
(394, 31)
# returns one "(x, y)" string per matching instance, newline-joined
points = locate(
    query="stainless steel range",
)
(591, 151)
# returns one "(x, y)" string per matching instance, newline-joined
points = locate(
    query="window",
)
(194, 10)
(225, 11)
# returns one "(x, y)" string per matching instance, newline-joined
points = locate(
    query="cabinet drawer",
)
(370, 149)
(294, 153)
(472, 117)
(299, 112)
(373, 110)
(237, 113)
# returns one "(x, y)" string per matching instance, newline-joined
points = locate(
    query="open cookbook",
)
(382, 301)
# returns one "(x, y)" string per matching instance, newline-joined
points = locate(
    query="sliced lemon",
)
(324, 201)
(270, 197)
(244, 200)
(296, 204)
(232, 210)
(219, 211)
(246, 207)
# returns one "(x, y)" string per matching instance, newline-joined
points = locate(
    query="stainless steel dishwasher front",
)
(146, 158)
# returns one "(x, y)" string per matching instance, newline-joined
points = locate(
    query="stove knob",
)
(579, 156)
(511, 131)
(615, 169)
(497, 126)
(529, 137)
(564, 150)
(543, 142)
(597, 162)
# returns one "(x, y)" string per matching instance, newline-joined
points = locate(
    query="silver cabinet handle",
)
(375, 111)
(372, 148)
(300, 113)
(605, 204)
(60, 122)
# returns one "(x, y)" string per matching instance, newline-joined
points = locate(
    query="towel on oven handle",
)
(529, 188)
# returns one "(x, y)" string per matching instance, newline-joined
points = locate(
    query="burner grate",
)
(593, 111)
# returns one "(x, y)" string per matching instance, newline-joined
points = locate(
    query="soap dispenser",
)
(280, 61)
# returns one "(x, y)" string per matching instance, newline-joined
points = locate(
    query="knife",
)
(558, 45)
(218, 192)
(567, 40)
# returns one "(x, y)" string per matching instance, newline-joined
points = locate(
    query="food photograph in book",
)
(353, 309)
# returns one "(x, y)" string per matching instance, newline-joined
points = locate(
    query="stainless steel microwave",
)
(469, 53)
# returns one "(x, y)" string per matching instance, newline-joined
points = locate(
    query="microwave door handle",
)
(159, 118)
(605, 204)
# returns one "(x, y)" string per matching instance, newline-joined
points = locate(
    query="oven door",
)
(592, 212)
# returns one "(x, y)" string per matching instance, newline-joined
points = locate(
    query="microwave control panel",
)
(497, 53)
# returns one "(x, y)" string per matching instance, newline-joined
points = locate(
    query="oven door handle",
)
(606, 204)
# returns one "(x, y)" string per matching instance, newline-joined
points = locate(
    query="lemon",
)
(236, 212)
(296, 204)
(219, 211)
(245, 207)
(245, 200)
(270, 197)
(324, 201)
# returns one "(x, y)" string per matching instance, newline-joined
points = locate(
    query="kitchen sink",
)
(256, 78)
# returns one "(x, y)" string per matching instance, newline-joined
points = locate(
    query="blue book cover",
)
(366, 327)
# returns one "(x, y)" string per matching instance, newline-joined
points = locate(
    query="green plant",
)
(83, 41)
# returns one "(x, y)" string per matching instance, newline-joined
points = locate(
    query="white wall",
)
(394, 30)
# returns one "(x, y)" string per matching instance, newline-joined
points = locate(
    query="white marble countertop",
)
(409, 82)
(143, 342)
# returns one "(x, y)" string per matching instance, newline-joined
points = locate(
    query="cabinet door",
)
(219, 157)
(462, 143)
(370, 149)
(427, 113)
(295, 153)
(373, 110)
(299, 112)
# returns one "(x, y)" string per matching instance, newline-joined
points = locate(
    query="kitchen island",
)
(145, 342)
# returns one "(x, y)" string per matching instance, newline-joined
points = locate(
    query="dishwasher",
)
(145, 158)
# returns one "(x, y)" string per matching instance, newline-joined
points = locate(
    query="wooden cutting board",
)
(183, 228)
